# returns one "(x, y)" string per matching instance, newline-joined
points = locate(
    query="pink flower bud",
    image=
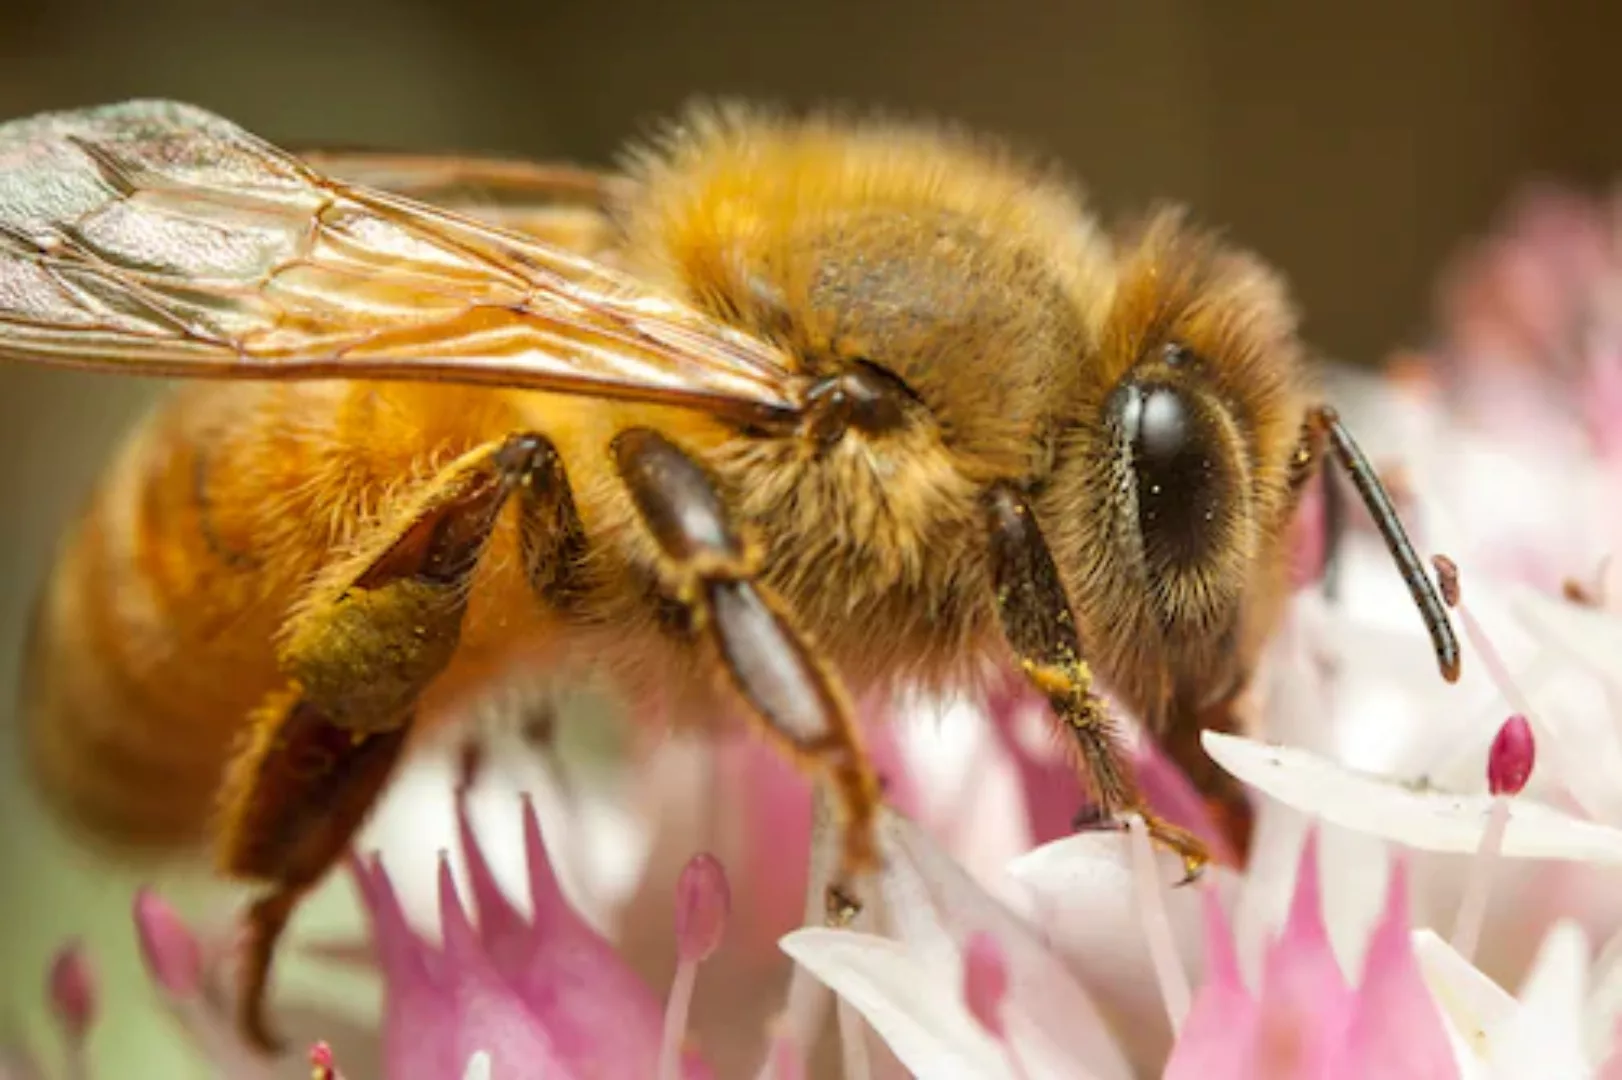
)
(173, 956)
(72, 986)
(703, 903)
(1510, 760)
(985, 981)
(323, 1066)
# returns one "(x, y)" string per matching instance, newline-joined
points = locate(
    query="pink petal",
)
(402, 956)
(500, 923)
(545, 892)
(479, 1011)
(421, 1022)
(1396, 1029)
(1215, 1042)
(573, 979)
(1305, 1002)
(1302, 960)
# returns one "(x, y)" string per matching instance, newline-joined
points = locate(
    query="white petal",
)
(1573, 714)
(1427, 820)
(934, 906)
(968, 789)
(919, 1014)
(1083, 892)
(1594, 637)
(1545, 1037)
(478, 1067)
(1539, 1035)
(597, 846)
(1604, 1006)
(1474, 1006)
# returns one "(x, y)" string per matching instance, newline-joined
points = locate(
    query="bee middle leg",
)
(1040, 627)
(797, 701)
(374, 631)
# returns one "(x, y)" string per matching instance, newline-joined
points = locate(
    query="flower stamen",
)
(173, 956)
(1156, 925)
(1509, 766)
(178, 963)
(72, 991)
(703, 902)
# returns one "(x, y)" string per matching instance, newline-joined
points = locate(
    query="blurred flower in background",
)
(1433, 888)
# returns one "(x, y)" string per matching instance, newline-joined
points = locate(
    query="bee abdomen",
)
(148, 647)
(108, 759)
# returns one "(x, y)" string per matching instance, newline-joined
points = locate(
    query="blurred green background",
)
(1353, 145)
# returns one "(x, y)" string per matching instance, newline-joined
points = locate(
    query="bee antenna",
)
(1378, 501)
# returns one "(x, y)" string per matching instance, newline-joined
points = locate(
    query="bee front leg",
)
(798, 702)
(374, 631)
(1040, 627)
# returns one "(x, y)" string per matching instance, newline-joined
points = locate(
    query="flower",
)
(543, 994)
(1304, 1020)
(1414, 853)
(1560, 1025)
(909, 983)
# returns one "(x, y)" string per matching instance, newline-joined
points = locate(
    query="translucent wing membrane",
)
(157, 238)
(557, 204)
(450, 180)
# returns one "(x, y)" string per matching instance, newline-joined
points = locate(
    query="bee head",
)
(1174, 469)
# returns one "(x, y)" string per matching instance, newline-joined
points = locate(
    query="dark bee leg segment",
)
(1374, 496)
(801, 706)
(1226, 799)
(1040, 627)
(376, 630)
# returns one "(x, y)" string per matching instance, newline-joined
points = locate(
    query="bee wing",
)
(559, 204)
(156, 238)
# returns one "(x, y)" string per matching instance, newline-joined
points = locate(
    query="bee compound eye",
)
(1179, 479)
(1162, 426)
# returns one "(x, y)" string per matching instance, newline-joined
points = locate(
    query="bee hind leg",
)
(373, 632)
(798, 703)
(1040, 627)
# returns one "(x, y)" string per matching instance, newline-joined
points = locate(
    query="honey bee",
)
(783, 407)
